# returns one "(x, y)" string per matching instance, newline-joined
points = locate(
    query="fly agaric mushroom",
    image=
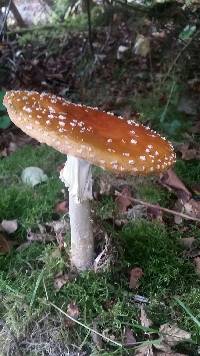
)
(87, 136)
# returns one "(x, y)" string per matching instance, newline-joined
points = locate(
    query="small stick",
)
(85, 326)
(149, 205)
(179, 55)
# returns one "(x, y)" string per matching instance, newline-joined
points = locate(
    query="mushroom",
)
(88, 136)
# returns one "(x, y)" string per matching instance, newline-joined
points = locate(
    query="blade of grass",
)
(36, 287)
(195, 320)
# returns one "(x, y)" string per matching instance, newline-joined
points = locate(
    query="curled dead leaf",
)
(145, 321)
(129, 339)
(187, 242)
(144, 350)
(97, 339)
(62, 278)
(123, 201)
(74, 312)
(62, 207)
(171, 181)
(135, 276)
(6, 245)
(171, 335)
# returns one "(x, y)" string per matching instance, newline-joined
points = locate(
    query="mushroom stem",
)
(77, 176)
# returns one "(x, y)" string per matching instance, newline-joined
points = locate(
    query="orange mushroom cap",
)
(101, 138)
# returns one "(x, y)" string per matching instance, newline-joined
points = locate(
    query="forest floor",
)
(143, 296)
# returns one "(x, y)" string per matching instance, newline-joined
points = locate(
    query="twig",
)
(169, 211)
(89, 25)
(162, 119)
(179, 55)
(85, 326)
(5, 17)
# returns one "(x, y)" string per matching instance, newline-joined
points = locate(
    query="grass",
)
(26, 277)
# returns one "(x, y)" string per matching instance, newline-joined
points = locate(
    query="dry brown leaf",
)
(170, 180)
(142, 45)
(97, 339)
(5, 244)
(188, 153)
(144, 351)
(155, 213)
(128, 338)
(62, 207)
(123, 201)
(171, 335)
(187, 242)
(192, 208)
(135, 276)
(73, 311)
(145, 321)
(10, 226)
(61, 279)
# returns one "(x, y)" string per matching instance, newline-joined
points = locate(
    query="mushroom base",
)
(77, 176)
(82, 244)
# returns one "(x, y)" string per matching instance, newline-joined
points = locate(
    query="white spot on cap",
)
(61, 117)
(27, 109)
(133, 141)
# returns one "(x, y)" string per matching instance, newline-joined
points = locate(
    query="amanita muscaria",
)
(88, 136)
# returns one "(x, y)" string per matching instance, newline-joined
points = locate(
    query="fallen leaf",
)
(61, 279)
(171, 335)
(62, 207)
(192, 208)
(188, 153)
(170, 180)
(135, 276)
(155, 213)
(73, 311)
(33, 176)
(187, 242)
(145, 321)
(123, 201)
(5, 244)
(10, 226)
(97, 339)
(142, 45)
(128, 338)
(144, 350)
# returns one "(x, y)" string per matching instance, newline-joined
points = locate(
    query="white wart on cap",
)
(101, 138)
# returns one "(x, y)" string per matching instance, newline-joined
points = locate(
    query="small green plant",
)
(4, 118)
